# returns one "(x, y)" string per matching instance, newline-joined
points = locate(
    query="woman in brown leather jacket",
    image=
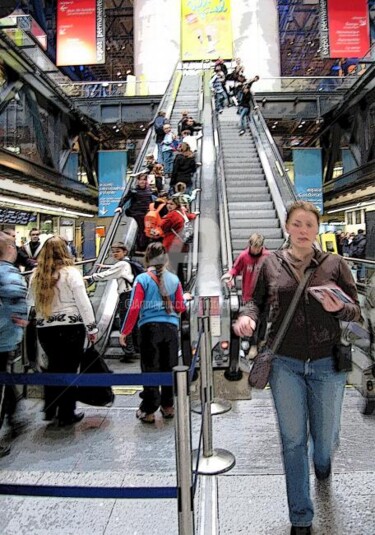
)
(306, 386)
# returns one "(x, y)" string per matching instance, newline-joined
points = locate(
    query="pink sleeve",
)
(133, 312)
(237, 267)
(179, 304)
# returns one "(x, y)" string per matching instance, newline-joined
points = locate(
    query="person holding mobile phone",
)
(307, 388)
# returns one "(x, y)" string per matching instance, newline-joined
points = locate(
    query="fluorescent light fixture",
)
(34, 205)
(357, 206)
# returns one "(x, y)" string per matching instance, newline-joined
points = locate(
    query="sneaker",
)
(241, 132)
(220, 111)
(144, 417)
(322, 475)
(4, 450)
(167, 412)
(256, 107)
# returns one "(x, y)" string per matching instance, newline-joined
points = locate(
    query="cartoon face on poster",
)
(206, 29)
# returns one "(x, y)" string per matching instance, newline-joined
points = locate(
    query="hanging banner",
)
(206, 30)
(308, 176)
(344, 28)
(112, 179)
(80, 32)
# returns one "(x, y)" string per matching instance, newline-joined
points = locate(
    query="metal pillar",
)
(213, 461)
(183, 451)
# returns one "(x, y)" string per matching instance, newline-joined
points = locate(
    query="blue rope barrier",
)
(53, 491)
(87, 379)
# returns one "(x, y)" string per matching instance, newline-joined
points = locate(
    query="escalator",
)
(250, 200)
(182, 93)
(253, 192)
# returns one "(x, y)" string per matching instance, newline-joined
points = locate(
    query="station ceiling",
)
(298, 29)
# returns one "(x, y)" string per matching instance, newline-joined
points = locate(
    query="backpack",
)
(186, 235)
(153, 222)
(136, 267)
(159, 123)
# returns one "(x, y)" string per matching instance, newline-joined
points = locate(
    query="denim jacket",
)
(12, 304)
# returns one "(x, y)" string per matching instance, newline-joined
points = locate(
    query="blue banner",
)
(308, 176)
(112, 179)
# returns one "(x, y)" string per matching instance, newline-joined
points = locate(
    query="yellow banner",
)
(206, 30)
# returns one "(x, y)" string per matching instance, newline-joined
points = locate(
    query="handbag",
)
(186, 235)
(261, 369)
(99, 396)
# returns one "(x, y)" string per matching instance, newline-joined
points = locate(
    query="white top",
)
(71, 305)
(120, 271)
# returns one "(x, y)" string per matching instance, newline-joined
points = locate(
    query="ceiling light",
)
(351, 207)
(34, 205)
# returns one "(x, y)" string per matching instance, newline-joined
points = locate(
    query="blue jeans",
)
(168, 161)
(219, 101)
(308, 398)
(244, 117)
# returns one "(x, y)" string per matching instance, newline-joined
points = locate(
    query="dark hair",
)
(157, 257)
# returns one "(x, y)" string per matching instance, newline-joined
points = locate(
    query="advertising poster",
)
(206, 30)
(346, 24)
(112, 180)
(80, 32)
(308, 176)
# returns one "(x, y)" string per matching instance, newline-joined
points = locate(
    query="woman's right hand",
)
(244, 326)
(92, 337)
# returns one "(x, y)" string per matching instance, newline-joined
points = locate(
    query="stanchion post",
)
(183, 451)
(206, 383)
(214, 461)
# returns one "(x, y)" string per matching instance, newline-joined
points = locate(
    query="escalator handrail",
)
(279, 163)
(225, 238)
(197, 203)
(137, 167)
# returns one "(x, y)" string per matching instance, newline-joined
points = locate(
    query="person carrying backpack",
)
(153, 220)
(123, 271)
(172, 225)
(157, 301)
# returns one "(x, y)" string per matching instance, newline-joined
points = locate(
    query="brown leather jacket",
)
(312, 332)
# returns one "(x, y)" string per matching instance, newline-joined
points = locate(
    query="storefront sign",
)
(80, 32)
(16, 217)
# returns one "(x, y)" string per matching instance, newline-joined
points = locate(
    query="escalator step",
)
(256, 213)
(257, 223)
(242, 233)
(262, 205)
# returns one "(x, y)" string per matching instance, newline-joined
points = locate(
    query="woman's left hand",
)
(122, 340)
(330, 302)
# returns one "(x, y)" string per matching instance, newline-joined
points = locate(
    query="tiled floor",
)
(111, 448)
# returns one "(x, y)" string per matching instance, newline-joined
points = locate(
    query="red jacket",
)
(174, 221)
(248, 266)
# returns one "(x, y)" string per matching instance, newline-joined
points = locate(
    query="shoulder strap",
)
(186, 219)
(291, 309)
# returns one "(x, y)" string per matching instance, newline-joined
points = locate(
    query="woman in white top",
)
(64, 316)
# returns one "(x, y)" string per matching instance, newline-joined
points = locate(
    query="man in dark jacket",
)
(359, 251)
(22, 258)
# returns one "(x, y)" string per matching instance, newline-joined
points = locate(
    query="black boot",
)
(298, 530)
